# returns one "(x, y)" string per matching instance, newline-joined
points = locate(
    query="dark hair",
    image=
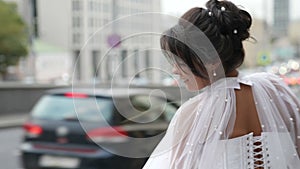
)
(224, 24)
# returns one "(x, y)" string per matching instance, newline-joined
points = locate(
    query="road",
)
(10, 141)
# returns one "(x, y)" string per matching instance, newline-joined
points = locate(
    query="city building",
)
(294, 33)
(258, 49)
(281, 18)
(92, 29)
(294, 36)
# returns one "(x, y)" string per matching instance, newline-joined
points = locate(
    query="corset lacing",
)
(257, 151)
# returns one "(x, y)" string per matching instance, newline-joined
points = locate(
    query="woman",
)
(235, 121)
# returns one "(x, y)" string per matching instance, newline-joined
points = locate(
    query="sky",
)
(257, 8)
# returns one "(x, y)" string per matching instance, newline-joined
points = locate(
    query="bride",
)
(236, 121)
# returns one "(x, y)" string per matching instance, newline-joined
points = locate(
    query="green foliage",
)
(13, 36)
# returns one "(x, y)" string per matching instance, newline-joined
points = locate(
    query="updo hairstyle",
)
(224, 24)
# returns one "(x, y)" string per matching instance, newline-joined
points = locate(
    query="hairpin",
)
(223, 8)
(235, 31)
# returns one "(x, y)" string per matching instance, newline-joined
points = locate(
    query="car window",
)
(150, 109)
(57, 107)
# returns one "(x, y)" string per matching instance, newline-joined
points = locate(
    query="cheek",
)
(178, 70)
(175, 69)
(187, 72)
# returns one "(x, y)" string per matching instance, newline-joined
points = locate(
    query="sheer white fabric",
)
(198, 135)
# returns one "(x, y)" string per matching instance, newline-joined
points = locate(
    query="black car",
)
(95, 128)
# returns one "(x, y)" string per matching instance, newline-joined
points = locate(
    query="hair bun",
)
(230, 19)
(245, 24)
(211, 4)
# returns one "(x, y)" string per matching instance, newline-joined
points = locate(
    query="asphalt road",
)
(9, 154)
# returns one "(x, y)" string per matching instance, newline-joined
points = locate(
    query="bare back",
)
(247, 120)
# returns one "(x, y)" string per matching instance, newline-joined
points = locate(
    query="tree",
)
(14, 41)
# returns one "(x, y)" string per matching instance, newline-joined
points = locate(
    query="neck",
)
(233, 73)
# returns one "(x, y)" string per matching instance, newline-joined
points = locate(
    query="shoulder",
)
(263, 78)
(268, 82)
(262, 75)
(191, 106)
(194, 100)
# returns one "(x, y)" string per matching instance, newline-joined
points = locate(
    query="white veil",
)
(193, 138)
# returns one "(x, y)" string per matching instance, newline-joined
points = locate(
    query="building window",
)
(76, 22)
(123, 63)
(106, 8)
(105, 21)
(95, 59)
(91, 22)
(76, 38)
(98, 22)
(147, 63)
(91, 5)
(77, 64)
(136, 60)
(147, 58)
(76, 5)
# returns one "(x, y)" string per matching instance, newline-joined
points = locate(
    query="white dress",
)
(198, 135)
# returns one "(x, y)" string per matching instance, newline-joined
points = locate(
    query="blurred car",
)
(95, 128)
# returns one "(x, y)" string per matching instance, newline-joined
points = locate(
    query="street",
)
(10, 142)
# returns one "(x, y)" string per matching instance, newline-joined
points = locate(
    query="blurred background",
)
(46, 44)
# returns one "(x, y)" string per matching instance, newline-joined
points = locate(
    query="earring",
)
(214, 73)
